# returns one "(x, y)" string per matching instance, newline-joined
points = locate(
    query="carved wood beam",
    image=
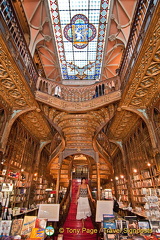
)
(14, 116)
(74, 107)
(42, 145)
(142, 114)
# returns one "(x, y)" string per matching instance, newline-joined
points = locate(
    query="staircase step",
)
(73, 229)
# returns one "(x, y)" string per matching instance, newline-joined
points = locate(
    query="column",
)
(98, 178)
(58, 176)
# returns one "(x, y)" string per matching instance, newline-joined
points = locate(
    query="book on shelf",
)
(154, 170)
(138, 184)
(145, 173)
(155, 226)
(108, 217)
(28, 224)
(109, 226)
(37, 233)
(41, 223)
(144, 224)
(147, 183)
(157, 180)
(136, 177)
(16, 227)
(118, 224)
(131, 223)
(5, 227)
(124, 231)
(7, 187)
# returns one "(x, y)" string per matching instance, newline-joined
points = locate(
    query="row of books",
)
(129, 225)
(16, 164)
(123, 191)
(40, 191)
(143, 184)
(124, 186)
(41, 180)
(121, 181)
(42, 187)
(139, 199)
(21, 191)
(28, 226)
(124, 197)
(145, 173)
(157, 180)
(19, 198)
(136, 177)
(23, 184)
(39, 197)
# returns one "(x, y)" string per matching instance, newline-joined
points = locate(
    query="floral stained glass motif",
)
(80, 27)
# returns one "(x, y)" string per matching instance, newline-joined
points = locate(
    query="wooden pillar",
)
(58, 176)
(98, 178)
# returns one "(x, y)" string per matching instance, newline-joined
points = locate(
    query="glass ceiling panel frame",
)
(91, 16)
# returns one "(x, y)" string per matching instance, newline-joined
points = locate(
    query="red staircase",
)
(73, 229)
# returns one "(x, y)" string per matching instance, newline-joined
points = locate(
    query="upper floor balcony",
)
(78, 98)
(140, 23)
(15, 40)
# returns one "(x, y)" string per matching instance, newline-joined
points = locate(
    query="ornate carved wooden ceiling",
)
(79, 129)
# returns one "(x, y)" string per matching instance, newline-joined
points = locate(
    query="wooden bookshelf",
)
(122, 190)
(38, 193)
(145, 183)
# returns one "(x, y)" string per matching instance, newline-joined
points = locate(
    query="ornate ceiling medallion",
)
(80, 32)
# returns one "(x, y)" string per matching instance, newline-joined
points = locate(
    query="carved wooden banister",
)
(64, 206)
(103, 141)
(93, 211)
(103, 145)
(79, 93)
(103, 152)
(15, 32)
(143, 13)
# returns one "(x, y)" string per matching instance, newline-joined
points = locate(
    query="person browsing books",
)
(83, 208)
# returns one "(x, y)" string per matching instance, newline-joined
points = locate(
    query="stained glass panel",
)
(79, 27)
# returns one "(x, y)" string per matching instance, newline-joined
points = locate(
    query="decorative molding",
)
(78, 106)
(145, 76)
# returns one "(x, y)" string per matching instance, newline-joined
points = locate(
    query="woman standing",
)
(83, 208)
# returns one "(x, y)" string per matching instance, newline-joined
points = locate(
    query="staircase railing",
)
(79, 93)
(18, 41)
(102, 144)
(93, 211)
(64, 206)
(103, 141)
(143, 14)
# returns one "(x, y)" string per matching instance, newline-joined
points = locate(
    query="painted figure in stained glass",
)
(80, 31)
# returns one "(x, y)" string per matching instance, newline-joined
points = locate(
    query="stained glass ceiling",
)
(79, 27)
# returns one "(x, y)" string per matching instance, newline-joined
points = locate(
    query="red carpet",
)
(73, 229)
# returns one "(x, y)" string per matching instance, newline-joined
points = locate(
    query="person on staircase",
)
(83, 208)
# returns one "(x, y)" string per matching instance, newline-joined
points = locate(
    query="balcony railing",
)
(9, 17)
(142, 18)
(79, 93)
